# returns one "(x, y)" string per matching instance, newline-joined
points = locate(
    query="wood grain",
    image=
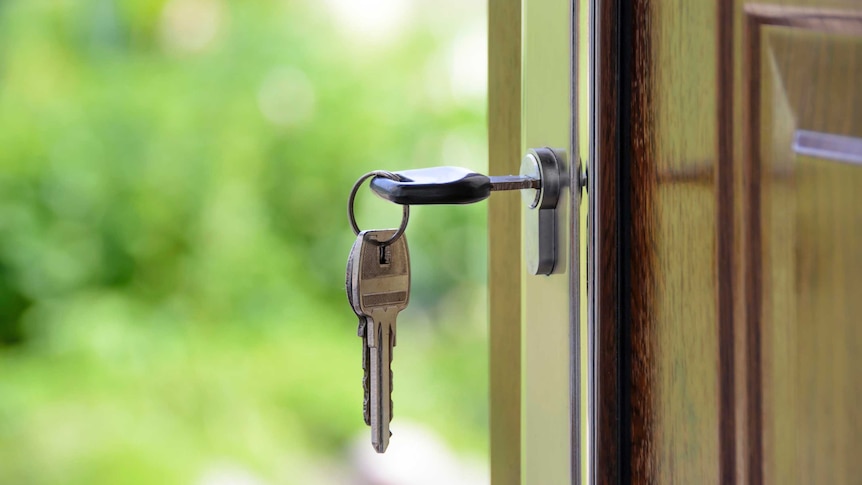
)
(604, 253)
(670, 252)
(802, 237)
(727, 271)
(504, 223)
(660, 237)
(638, 197)
(752, 248)
(726, 266)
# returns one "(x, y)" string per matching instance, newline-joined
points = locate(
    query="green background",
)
(173, 234)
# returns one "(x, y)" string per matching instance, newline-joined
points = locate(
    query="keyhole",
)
(385, 254)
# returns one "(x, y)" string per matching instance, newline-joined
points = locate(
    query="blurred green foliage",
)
(173, 183)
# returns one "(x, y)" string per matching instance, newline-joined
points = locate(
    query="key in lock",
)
(540, 179)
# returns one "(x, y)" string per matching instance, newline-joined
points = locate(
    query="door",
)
(728, 296)
(707, 325)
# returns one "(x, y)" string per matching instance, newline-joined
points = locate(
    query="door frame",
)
(536, 384)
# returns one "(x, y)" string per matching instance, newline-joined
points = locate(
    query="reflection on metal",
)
(825, 145)
(540, 213)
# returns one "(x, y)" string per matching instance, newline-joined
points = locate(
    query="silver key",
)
(381, 290)
(366, 351)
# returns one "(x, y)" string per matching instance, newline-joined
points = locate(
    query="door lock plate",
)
(540, 211)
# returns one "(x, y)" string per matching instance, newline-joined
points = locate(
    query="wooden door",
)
(726, 235)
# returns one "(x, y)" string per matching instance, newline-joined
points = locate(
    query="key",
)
(381, 290)
(366, 351)
(447, 185)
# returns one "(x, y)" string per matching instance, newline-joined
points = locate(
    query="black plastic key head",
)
(437, 185)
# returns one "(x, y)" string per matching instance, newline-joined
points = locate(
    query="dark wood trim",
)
(504, 220)
(637, 228)
(724, 177)
(606, 218)
(752, 245)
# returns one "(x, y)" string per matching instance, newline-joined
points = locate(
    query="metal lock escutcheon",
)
(540, 211)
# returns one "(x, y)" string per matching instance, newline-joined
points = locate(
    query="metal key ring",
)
(404, 218)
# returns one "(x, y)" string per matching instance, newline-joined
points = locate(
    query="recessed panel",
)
(811, 264)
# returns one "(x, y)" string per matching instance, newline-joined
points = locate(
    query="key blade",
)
(381, 384)
(514, 182)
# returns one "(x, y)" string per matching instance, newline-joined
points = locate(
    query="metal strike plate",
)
(540, 212)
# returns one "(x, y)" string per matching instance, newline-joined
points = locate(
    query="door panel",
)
(810, 230)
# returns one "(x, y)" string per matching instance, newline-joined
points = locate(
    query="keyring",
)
(404, 218)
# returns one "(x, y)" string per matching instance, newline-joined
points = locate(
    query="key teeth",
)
(366, 377)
